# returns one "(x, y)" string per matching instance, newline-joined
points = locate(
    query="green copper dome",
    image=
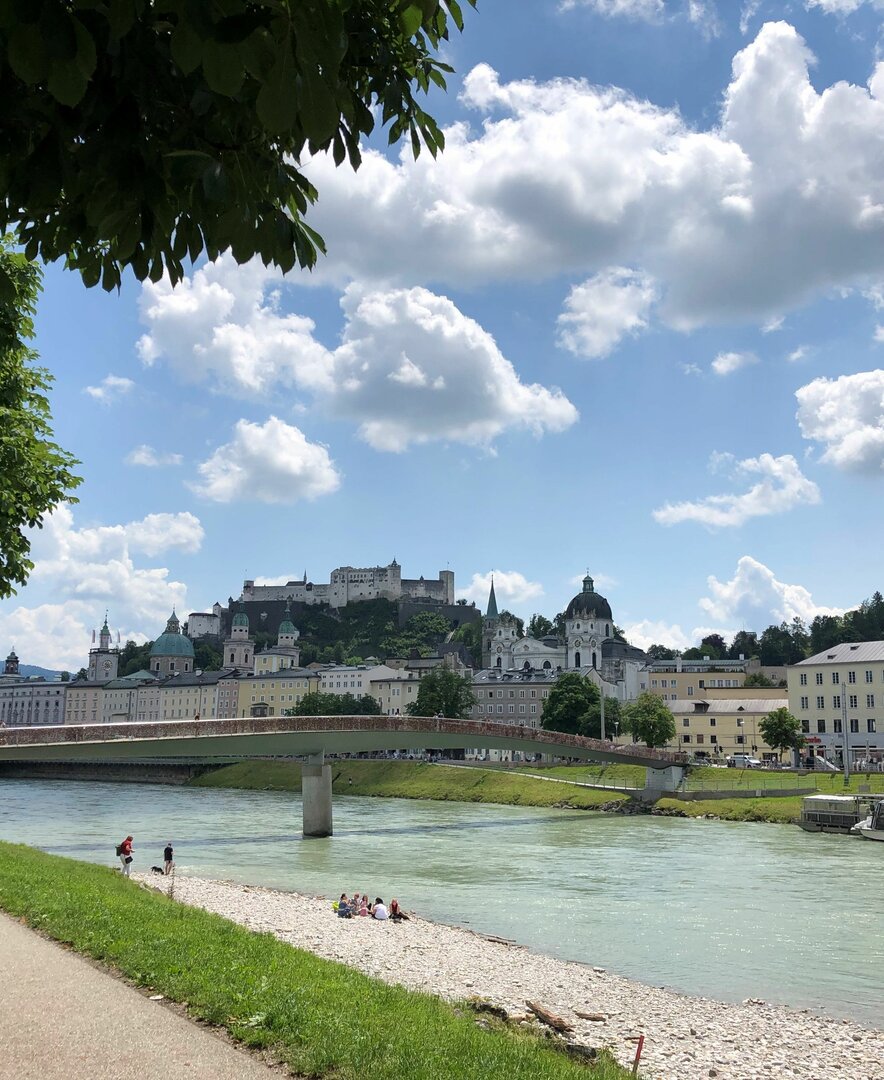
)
(240, 619)
(172, 642)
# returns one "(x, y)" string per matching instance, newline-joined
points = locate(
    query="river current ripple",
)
(722, 909)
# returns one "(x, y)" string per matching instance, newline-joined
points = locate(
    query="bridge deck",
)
(217, 739)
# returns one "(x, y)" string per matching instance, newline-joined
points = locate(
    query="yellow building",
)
(395, 692)
(713, 728)
(273, 694)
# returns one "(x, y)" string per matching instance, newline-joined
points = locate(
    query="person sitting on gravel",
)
(379, 910)
(344, 909)
(363, 907)
(396, 912)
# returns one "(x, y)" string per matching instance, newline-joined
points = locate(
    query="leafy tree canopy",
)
(139, 133)
(444, 691)
(781, 730)
(35, 473)
(574, 706)
(649, 719)
(758, 678)
(539, 626)
(318, 704)
(662, 652)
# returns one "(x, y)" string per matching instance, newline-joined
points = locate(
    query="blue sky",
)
(631, 320)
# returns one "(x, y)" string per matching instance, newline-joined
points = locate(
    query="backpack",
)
(119, 849)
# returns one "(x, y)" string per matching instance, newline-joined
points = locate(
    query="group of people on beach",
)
(347, 908)
(124, 853)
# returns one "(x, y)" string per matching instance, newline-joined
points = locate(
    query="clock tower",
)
(104, 660)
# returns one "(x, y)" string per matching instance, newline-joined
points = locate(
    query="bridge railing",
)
(409, 726)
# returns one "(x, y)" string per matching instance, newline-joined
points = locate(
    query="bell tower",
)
(104, 660)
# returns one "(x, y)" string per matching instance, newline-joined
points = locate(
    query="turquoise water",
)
(724, 909)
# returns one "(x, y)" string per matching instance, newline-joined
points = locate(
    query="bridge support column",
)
(658, 781)
(316, 796)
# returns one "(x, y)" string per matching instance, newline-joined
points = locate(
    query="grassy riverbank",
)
(412, 780)
(321, 1018)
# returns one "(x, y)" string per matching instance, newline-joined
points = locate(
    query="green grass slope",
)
(412, 780)
(324, 1020)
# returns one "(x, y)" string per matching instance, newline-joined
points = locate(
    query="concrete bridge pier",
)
(316, 796)
(659, 781)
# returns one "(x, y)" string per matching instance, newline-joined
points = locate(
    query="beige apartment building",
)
(714, 728)
(674, 680)
(272, 695)
(354, 679)
(838, 695)
(395, 692)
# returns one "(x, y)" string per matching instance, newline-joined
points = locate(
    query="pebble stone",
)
(686, 1038)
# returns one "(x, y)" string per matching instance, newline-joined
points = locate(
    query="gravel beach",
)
(686, 1038)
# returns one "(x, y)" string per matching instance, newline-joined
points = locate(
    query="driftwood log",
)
(557, 1023)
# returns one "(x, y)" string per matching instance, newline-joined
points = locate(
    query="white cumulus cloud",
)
(87, 570)
(780, 200)
(780, 487)
(110, 389)
(511, 588)
(846, 416)
(410, 367)
(726, 363)
(754, 598)
(604, 309)
(646, 633)
(271, 462)
(146, 455)
(630, 9)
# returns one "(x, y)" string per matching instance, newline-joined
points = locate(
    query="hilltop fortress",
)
(350, 584)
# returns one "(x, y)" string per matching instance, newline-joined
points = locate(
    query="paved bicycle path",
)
(63, 1019)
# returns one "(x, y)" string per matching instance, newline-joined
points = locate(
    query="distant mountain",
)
(31, 669)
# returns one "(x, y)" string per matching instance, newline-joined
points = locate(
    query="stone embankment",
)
(686, 1038)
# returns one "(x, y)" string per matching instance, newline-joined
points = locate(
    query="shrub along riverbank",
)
(420, 780)
(321, 1018)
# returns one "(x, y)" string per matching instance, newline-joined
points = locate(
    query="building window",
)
(685, 738)
(713, 738)
(805, 727)
(820, 701)
(511, 708)
(821, 727)
(852, 702)
(836, 678)
(836, 726)
(854, 726)
(868, 675)
(685, 722)
(870, 727)
(836, 701)
(712, 721)
(870, 701)
(803, 678)
(819, 678)
(534, 708)
(500, 708)
(851, 677)
(699, 738)
(739, 739)
(805, 703)
(690, 691)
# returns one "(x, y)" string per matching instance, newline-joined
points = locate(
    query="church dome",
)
(172, 642)
(589, 602)
(240, 619)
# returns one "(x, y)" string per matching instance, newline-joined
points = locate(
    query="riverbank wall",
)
(109, 772)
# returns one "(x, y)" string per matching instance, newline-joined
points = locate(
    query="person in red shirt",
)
(126, 855)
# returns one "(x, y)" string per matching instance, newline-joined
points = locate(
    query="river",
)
(723, 909)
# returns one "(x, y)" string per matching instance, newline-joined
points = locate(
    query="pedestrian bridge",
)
(312, 737)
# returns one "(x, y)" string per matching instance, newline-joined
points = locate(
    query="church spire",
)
(491, 613)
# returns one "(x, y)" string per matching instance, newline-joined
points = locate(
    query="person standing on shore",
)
(126, 855)
(168, 856)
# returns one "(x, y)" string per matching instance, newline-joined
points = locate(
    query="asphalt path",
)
(63, 1019)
